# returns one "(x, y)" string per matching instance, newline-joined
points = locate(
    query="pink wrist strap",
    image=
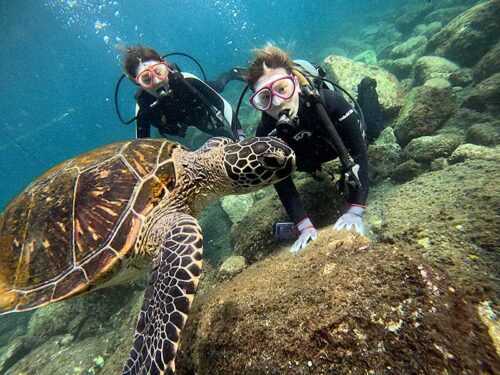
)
(305, 224)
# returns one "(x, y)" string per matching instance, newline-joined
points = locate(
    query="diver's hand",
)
(352, 219)
(307, 233)
(241, 134)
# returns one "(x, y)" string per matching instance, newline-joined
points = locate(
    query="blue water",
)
(60, 64)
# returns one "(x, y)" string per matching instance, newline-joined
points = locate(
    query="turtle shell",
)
(74, 227)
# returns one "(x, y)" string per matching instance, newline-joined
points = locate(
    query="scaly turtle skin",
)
(103, 217)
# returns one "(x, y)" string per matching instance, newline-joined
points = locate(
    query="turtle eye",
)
(271, 161)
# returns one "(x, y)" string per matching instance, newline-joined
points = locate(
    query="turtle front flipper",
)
(171, 286)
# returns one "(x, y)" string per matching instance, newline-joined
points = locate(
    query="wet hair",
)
(133, 56)
(270, 56)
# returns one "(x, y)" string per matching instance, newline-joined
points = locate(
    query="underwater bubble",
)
(106, 39)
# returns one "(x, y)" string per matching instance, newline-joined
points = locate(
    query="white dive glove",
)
(307, 233)
(352, 219)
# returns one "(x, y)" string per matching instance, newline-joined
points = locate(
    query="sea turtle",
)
(103, 217)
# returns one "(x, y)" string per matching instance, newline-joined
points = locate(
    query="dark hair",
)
(270, 56)
(133, 56)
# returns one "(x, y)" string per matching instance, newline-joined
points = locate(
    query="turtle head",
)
(257, 162)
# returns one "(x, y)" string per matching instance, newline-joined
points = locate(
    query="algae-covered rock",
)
(424, 111)
(342, 306)
(413, 46)
(401, 68)
(253, 238)
(384, 154)
(444, 15)
(461, 77)
(426, 149)
(412, 14)
(428, 67)
(469, 36)
(428, 30)
(236, 206)
(485, 96)
(348, 74)
(462, 119)
(368, 57)
(450, 217)
(407, 171)
(231, 267)
(469, 151)
(485, 134)
(488, 65)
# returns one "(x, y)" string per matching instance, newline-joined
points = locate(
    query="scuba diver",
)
(172, 101)
(319, 125)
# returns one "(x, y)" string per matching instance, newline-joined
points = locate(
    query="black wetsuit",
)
(185, 107)
(313, 146)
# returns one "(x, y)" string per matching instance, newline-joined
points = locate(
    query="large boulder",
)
(469, 36)
(428, 67)
(488, 65)
(424, 111)
(451, 218)
(428, 30)
(485, 134)
(462, 119)
(426, 149)
(342, 306)
(348, 74)
(485, 97)
(253, 238)
(413, 46)
(384, 154)
(444, 15)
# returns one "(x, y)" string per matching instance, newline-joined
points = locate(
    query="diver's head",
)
(146, 68)
(275, 88)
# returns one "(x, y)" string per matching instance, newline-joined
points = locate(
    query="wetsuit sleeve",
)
(287, 192)
(289, 196)
(349, 127)
(220, 83)
(222, 109)
(143, 125)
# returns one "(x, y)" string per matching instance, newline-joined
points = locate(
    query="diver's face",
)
(279, 88)
(152, 75)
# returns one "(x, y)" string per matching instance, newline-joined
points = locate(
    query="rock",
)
(428, 30)
(407, 171)
(488, 65)
(343, 306)
(439, 84)
(368, 57)
(424, 111)
(236, 206)
(462, 119)
(485, 134)
(426, 149)
(461, 77)
(385, 154)
(412, 15)
(401, 68)
(439, 164)
(428, 67)
(455, 211)
(253, 238)
(231, 267)
(348, 74)
(469, 151)
(485, 97)
(444, 15)
(413, 46)
(468, 37)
